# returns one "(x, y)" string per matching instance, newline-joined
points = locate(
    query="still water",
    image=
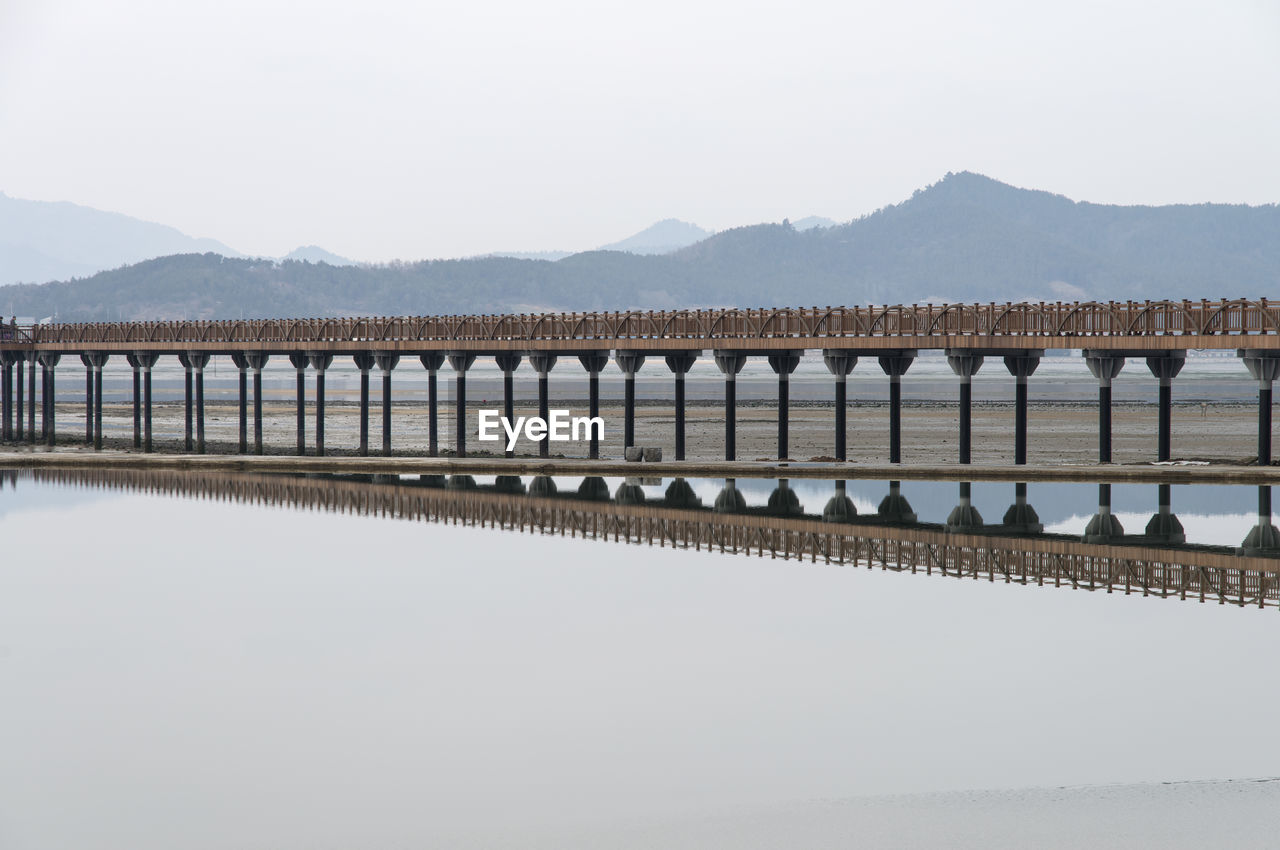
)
(182, 667)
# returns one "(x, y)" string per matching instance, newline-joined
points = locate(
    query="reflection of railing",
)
(1089, 319)
(1151, 571)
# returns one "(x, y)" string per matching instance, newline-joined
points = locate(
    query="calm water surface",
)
(207, 674)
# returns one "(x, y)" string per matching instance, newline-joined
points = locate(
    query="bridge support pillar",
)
(146, 360)
(188, 396)
(49, 362)
(680, 363)
(965, 364)
(93, 363)
(1105, 366)
(629, 362)
(242, 364)
(543, 362)
(31, 396)
(594, 362)
(364, 362)
(460, 361)
(299, 361)
(320, 361)
(136, 366)
(1264, 367)
(730, 364)
(1165, 367)
(88, 400)
(895, 364)
(432, 361)
(257, 360)
(386, 362)
(508, 362)
(18, 386)
(784, 363)
(840, 363)
(194, 363)
(1021, 365)
(1164, 527)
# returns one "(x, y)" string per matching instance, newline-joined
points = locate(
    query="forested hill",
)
(966, 238)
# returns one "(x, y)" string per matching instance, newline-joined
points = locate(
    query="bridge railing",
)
(1113, 318)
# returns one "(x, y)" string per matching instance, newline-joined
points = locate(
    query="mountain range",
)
(965, 238)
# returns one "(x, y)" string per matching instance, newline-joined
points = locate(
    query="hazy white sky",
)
(383, 130)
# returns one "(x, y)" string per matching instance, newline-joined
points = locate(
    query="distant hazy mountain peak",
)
(316, 254)
(812, 221)
(663, 237)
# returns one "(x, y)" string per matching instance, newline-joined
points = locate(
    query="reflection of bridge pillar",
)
(1165, 367)
(542, 486)
(432, 360)
(783, 501)
(629, 362)
(299, 361)
(784, 363)
(1021, 366)
(460, 482)
(543, 362)
(593, 487)
(1105, 366)
(895, 507)
(364, 362)
(840, 507)
(594, 362)
(257, 360)
(1263, 538)
(1264, 366)
(460, 361)
(680, 495)
(1164, 527)
(840, 363)
(320, 361)
(508, 484)
(629, 493)
(964, 517)
(680, 363)
(146, 360)
(1103, 527)
(508, 362)
(242, 364)
(1021, 517)
(730, 364)
(895, 365)
(729, 500)
(386, 362)
(94, 361)
(965, 364)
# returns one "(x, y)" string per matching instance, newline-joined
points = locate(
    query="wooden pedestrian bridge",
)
(1107, 334)
(1016, 550)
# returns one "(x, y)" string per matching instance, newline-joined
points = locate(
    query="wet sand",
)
(1059, 433)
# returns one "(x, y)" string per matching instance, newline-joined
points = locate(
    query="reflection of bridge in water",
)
(1155, 563)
